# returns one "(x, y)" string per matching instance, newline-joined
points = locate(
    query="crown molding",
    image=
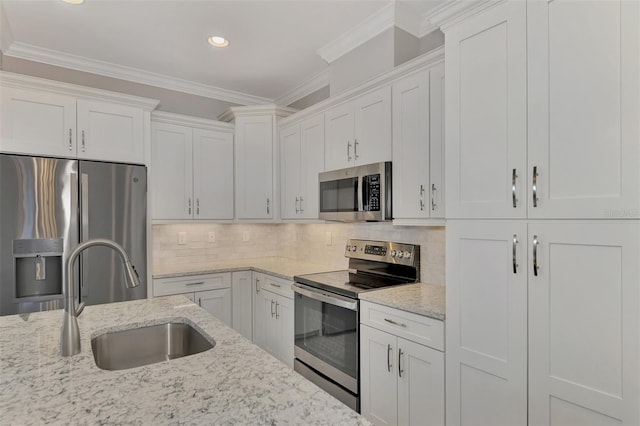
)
(6, 36)
(9, 79)
(253, 110)
(422, 62)
(315, 83)
(454, 11)
(363, 32)
(186, 120)
(107, 69)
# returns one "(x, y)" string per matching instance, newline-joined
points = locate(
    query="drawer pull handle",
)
(395, 323)
(198, 283)
(275, 285)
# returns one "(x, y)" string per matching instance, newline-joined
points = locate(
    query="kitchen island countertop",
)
(236, 382)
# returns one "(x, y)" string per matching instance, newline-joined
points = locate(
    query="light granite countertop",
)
(236, 382)
(279, 266)
(419, 298)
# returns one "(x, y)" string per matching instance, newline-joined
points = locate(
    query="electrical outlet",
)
(245, 236)
(212, 237)
(327, 238)
(182, 238)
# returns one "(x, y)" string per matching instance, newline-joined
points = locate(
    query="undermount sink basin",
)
(119, 350)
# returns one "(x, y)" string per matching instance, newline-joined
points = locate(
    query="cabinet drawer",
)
(192, 283)
(277, 285)
(417, 328)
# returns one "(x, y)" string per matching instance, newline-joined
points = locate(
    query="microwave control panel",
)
(371, 193)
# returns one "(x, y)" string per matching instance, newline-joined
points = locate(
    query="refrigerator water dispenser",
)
(38, 267)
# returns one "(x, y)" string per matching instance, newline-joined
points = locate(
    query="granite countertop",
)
(422, 299)
(278, 266)
(236, 382)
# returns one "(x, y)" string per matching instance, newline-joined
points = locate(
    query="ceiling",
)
(273, 46)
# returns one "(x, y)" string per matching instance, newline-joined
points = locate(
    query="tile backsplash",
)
(318, 243)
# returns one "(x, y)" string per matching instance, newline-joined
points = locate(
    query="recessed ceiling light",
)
(218, 41)
(73, 1)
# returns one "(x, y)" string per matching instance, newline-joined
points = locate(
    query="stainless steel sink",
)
(119, 350)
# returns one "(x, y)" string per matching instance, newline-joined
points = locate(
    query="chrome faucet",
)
(70, 339)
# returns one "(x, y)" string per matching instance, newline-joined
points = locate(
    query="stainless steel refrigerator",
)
(47, 206)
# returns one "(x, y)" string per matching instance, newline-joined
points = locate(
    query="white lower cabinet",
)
(242, 303)
(543, 323)
(401, 381)
(210, 291)
(273, 317)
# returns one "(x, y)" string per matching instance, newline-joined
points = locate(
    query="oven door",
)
(326, 334)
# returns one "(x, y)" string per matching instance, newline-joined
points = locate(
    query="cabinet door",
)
(241, 303)
(420, 385)
(38, 123)
(584, 332)
(486, 122)
(339, 143)
(411, 147)
(373, 127)
(217, 303)
(584, 105)
(259, 313)
(378, 376)
(436, 141)
(269, 327)
(171, 175)
(110, 132)
(212, 174)
(254, 167)
(486, 330)
(312, 161)
(290, 172)
(284, 332)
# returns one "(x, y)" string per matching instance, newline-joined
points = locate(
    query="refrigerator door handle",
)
(84, 199)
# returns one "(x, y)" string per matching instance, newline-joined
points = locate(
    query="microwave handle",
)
(321, 296)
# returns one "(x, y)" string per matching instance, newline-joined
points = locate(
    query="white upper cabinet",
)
(359, 131)
(48, 118)
(109, 132)
(542, 114)
(290, 172)
(301, 160)
(212, 174)
(39, 123)
(486, 122)
(584, 109)
(418, 146)
(172, 172)
(372, 141)
(192, 168)
(254, 167)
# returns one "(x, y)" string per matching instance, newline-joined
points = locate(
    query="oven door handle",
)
(321, 296)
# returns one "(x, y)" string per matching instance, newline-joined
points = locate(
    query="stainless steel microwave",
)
(361, 193)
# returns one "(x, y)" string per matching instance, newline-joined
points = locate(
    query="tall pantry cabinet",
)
(543, 202)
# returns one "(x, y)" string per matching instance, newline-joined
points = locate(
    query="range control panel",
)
(383, 251)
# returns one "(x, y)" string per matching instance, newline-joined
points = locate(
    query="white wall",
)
(300, 242)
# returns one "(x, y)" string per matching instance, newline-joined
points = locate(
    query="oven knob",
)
(353, 248)
(393, 253)
(407, 254)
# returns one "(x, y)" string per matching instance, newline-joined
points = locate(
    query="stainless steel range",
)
(327, 313)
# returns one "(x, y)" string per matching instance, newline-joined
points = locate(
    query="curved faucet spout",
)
(70, 339)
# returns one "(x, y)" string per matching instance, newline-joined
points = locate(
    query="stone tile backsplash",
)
(320, 243)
